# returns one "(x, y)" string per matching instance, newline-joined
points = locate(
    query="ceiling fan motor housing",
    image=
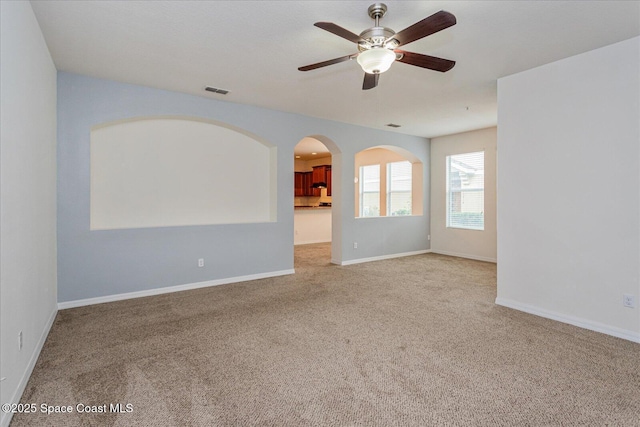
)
(376, 37)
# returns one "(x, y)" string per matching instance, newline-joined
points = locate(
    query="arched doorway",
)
(317, 171)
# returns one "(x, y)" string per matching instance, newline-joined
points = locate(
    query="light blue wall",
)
(101, 263)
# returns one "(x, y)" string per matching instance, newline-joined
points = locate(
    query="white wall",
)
(174, 171)
(307, 165)
(28, 196)
(311, 225)
(475, 244)
(569, 189)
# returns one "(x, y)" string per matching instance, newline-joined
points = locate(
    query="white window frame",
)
(474, 175)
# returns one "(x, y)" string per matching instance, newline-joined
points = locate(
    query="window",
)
(370, 190)
(465, 191)
(388, 182)
(399, 188)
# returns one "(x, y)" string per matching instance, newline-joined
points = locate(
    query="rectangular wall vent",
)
(216, 90)
(393, 125)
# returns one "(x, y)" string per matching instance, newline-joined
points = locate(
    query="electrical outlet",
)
(200, 262)
(20, 340)
(355, 245)
(629, 300)
(429, 237)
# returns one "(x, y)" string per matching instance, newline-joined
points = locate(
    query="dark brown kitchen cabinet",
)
(299, 184)
(309, 185)
(303, 184)
(322, 174)
(319, 174)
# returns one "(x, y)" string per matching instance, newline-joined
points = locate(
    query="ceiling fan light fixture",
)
(376, 60)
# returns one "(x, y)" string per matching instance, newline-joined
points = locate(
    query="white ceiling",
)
(253, 49)
(310, 149)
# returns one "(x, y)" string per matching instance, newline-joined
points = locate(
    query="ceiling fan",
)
(378, 46)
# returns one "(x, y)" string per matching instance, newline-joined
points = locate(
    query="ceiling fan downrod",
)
(377, 11)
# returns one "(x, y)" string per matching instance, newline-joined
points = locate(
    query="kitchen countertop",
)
(311, 207)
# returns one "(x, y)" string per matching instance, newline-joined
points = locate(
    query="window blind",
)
(465, 191)
(399, 188)
(370, 190)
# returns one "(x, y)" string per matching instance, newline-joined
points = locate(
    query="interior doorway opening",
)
(315, 195)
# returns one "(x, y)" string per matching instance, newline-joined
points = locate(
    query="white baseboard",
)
(381, 257)
(469, 256)
(169, 289)
(6, 417)
(575, 321)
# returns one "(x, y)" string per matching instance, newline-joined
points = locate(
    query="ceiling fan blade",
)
(329, 62)
(370, 81)
(430, 25)
(425, 61)
(339, 31)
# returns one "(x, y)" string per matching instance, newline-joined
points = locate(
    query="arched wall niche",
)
(166, 171)
(383, 155)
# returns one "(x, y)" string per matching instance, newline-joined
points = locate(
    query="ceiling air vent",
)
(392, 125)
(216, 90)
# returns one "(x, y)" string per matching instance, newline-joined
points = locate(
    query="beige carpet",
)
(415, 341)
